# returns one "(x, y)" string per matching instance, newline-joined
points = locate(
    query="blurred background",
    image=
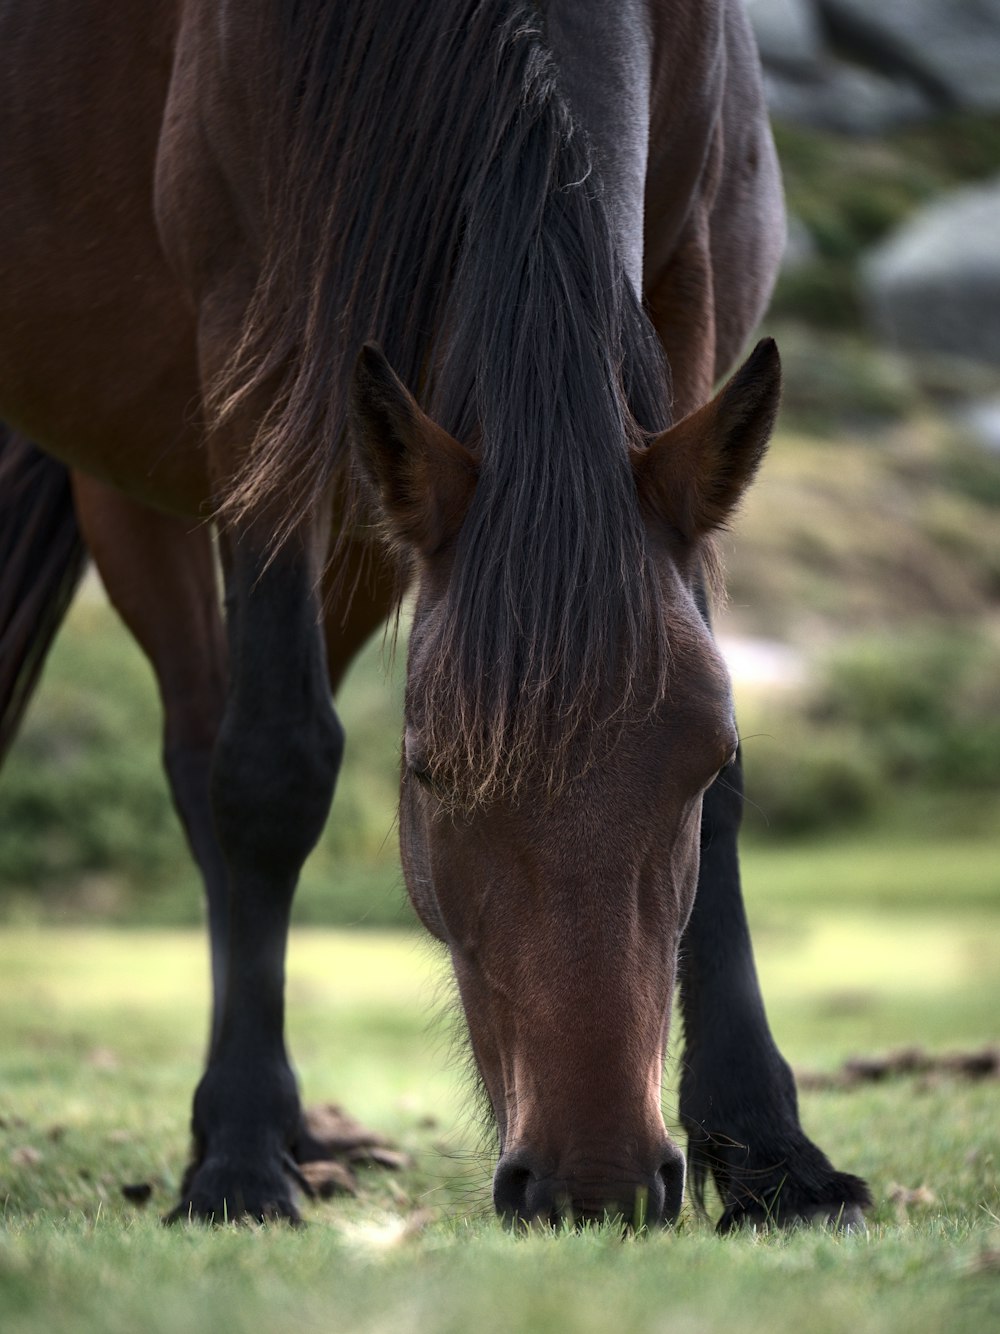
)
(863, 627)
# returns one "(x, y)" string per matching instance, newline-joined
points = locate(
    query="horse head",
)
(560, 874)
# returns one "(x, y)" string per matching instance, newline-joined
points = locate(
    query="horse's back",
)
(97, 336)
(96, 340)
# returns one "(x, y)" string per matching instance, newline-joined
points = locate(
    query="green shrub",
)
(929, 705)
(889, 724)
(820, 294)
(972, 472)
(833, 378)
(83, 791)
(87, 825)
(810, 783)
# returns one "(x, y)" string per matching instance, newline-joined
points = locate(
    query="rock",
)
(788, 34)
(980, 419)
(951, 48)
(934, 286)
(846, 99)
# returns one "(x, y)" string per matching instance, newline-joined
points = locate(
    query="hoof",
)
(219, 1193)
(845, 1218)
(838, 1204)
(838, 1218)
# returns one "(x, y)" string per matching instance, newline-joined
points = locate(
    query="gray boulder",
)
(845, 98)
(934, 286)
(788, 34)
(980, 420)
(951, 48)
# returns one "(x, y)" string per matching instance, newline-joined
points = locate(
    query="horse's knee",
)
(271, 788)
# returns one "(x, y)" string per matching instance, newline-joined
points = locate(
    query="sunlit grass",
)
(101, 1041)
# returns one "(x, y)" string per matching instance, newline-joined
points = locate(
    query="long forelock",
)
(553, 623)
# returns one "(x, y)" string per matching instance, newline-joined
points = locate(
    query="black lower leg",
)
(273, 774)
(188, 769)
(738, 1100)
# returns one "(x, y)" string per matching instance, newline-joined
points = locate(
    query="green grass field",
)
(873, 936)
(101, 1043)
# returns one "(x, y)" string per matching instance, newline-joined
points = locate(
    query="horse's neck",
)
(604, 55)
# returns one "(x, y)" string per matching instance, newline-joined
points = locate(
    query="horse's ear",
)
(694, 474)
(423, 477)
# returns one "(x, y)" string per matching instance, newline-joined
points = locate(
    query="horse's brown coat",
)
(170, 328)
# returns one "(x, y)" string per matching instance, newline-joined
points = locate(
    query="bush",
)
(821, 783)
(83, 791)
(831, 380)
(87, 825)
(888, 722)
(929, 706)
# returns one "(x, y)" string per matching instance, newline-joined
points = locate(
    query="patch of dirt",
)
(336, 1131)
(25, 1156)
(905, 1198)
(912, 1062)
(986, 1262)
(137, 1192)
(326, 1179)
(335, 1145)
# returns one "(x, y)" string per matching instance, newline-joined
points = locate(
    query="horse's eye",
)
(417, 764)
(734, 751)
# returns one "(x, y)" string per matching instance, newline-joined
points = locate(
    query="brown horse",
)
(211, 213)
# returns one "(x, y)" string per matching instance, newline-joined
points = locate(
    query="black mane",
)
(429, 189)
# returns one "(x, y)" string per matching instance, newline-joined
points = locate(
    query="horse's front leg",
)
(273, 775)
(737, 1099)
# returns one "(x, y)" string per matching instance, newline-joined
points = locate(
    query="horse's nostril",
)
(511, 1184)
(671, 1173)
(522, 1194)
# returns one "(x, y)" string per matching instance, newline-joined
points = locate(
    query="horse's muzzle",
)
(522, 1193)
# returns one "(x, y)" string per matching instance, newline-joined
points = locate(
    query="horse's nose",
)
(522, 1192)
